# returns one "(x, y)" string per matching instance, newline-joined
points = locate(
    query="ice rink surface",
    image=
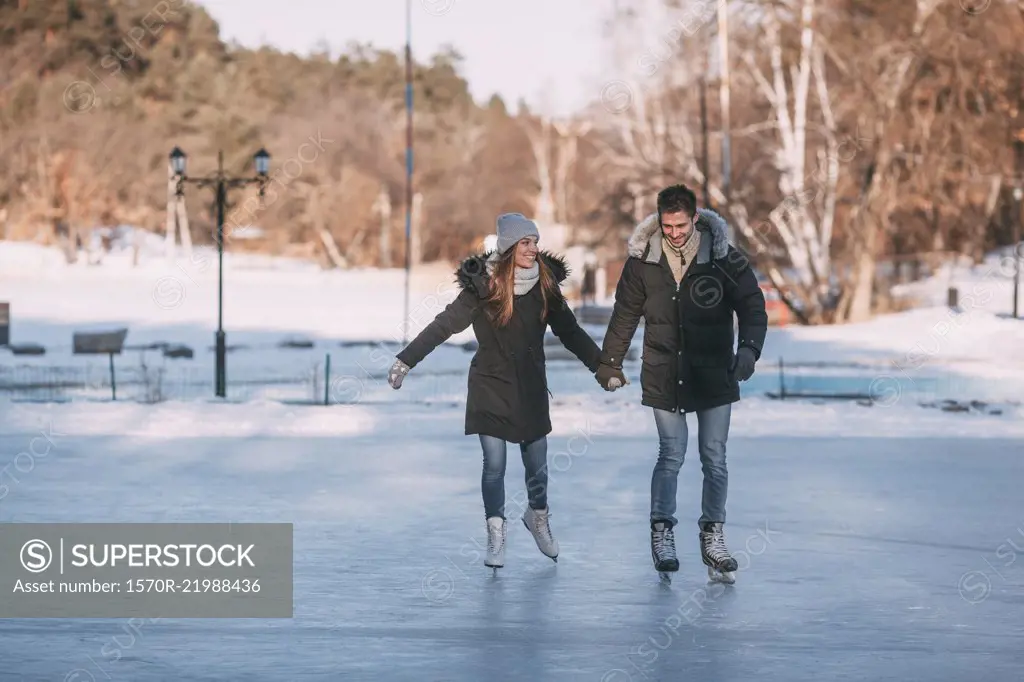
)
(865, 553)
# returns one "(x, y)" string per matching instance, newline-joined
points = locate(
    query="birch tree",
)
(804, 221)
(555, 146)
(540, 145)
(569, 134)
(828, 109)
(654, 141)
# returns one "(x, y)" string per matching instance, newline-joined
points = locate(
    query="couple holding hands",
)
(685, 279)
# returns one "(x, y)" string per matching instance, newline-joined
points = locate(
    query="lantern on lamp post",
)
(221, 182)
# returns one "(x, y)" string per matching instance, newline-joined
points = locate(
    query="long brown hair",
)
(501, 299)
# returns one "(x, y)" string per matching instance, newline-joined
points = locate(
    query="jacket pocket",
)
(655, 370)
(711, 376)
(493, 368)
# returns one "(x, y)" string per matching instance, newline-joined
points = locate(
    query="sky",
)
(550, 52)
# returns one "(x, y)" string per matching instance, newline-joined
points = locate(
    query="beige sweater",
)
(681, 259)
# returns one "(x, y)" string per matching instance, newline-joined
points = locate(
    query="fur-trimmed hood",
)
(645, 242)
(472, 273)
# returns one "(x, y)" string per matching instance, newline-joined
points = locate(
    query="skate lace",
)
(716, 548)
(495, 540)
(543, 527)
(665, 544)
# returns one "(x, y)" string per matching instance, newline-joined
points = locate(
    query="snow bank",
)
(267, 300)
(581, 415)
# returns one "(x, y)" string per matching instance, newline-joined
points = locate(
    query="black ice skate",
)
(721, 565)
(663, 550)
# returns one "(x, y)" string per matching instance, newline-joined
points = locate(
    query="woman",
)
(509, 296)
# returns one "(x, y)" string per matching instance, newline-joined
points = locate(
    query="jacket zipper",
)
(679, 288)
(544, 370)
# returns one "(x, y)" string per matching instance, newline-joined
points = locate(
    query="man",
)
(685, 279)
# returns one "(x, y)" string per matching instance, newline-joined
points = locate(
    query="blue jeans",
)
(492, 481)
(712, 433)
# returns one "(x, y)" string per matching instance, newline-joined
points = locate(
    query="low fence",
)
(347, 378)
(149, 384)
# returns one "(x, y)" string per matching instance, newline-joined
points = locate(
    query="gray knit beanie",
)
(512, 227)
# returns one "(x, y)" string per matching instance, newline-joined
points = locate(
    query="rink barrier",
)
(330, 381)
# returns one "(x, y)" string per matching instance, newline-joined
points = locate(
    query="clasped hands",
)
(610, 377)
(742, 369)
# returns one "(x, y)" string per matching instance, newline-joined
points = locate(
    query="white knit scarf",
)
(526, 278)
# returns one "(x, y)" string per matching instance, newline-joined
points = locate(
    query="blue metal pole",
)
(408, 163)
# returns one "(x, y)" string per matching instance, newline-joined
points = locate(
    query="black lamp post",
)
(220, 182)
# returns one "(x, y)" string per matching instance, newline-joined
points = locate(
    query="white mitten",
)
(397, 374)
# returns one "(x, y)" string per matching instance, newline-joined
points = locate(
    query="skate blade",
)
(725, 577)
(665, 576)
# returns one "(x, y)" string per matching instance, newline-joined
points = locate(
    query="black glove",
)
(610, 377)
(743, 365)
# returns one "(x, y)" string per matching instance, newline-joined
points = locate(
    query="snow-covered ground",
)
(876, 541)
(928, 352)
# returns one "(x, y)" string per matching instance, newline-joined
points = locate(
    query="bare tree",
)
(879, 97)
(804, 221)
(569, 134)
(540, 143)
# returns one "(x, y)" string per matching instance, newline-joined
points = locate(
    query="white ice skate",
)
(536, 521)
(495, 543)
(721, 566)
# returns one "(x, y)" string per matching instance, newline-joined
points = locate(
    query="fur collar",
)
(472, 272)
(645, 242)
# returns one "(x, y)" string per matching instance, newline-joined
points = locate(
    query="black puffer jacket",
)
(508, 393)
(688, 327)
